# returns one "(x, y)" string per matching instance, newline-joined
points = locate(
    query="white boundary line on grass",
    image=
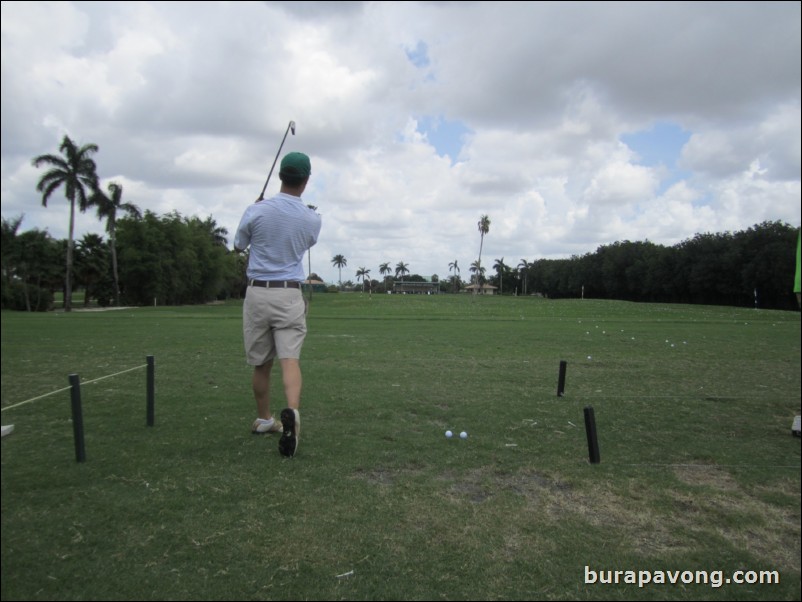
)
(89, 382)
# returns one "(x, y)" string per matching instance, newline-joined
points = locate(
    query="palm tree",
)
(339, 261)
(479, 273)
(385, 269)
(107, 208)
(500, 267)
(454, 265)
(362, 273)
(484, 228)
(77, 172)
(523, 267)
(401, 268)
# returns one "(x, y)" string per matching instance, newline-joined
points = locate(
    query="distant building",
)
(317, 286)
(416, 288)
(487, 289)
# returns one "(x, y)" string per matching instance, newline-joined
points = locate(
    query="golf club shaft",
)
(291, 126)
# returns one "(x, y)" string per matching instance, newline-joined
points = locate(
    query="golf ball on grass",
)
(449, 434)
(463, 435)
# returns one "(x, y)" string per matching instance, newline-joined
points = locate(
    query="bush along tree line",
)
(168, 260)
(754, 267)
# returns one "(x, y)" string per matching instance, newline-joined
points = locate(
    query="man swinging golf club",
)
(279, 231)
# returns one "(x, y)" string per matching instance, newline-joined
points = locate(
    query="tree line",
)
(168, 260)
(174, 260)
(753, 267)
(164, 259)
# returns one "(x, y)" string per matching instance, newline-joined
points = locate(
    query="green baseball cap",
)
(295, 165)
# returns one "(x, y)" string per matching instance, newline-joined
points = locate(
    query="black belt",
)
(275, 283)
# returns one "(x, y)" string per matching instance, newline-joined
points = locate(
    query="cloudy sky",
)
(571, 125)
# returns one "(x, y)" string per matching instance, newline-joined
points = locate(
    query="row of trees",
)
(754, 266)
(171, 260)
(176, 260)
(179, 260)
(402, 269)
(363, 273)
(76, 172)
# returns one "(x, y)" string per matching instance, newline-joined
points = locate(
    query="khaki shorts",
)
(273, 324)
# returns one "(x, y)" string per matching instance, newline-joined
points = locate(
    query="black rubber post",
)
(561, 380)
(593, 439)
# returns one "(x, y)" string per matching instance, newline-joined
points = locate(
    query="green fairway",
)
(693, 404)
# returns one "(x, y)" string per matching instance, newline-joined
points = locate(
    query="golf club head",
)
(292, 127)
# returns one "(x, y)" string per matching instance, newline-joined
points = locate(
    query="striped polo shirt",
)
(279, 231)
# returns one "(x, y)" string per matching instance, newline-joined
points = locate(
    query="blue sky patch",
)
(419, 56)
(660, 145)
(447, 137)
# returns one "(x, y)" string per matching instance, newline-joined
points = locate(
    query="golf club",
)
(291, 126)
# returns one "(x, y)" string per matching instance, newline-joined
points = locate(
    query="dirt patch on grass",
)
(480, 485)
(717, 506)
(384, 476)
(707, 475)
(631, 518)
(654, 520)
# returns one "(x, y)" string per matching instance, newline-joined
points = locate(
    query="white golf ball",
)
(449, 434)
(463, 435)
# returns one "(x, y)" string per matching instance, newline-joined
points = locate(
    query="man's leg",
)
(291, 375)
(261, 389)
(290, 418)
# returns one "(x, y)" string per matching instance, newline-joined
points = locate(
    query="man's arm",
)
(242, 237)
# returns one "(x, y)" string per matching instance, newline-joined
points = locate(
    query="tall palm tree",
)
(524, 268)
(385, 269)
(362, 273)
(454, 265)
(500, 267)
(401, 268)
(107, 208)
(77, 172)
(479, 273)
(339, 262)
(484, 228)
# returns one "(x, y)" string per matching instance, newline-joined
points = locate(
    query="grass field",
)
(694, 406)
